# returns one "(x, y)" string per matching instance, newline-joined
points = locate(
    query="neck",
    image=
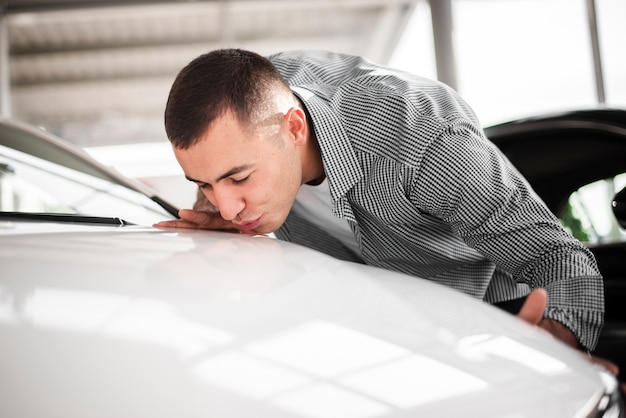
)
(312, 166)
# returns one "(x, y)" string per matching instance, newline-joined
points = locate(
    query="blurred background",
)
(97, 72)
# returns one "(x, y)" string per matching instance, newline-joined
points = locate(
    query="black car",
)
(576, 162)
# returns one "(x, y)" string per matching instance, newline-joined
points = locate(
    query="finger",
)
(560, 331)
(206, 220)
(198, 217)
(534, 306)
(189, 219)
(176, 224)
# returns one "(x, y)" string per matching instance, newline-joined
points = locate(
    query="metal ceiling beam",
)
(5, 79)
(29, 6)
(124, 63)
(595, 48)
(441, 12)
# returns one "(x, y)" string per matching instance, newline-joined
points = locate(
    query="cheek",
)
(277, 184)
(277, 189)
(259, 193)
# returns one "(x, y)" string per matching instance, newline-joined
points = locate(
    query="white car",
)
(100, 318)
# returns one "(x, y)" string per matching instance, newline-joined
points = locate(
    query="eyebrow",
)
(229, 173)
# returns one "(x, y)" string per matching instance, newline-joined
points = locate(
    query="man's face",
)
(250, 175)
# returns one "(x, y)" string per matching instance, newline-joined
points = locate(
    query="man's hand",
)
(532, 312)
(534, 307)
(194, 219)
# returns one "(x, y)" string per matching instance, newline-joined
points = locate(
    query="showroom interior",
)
(97, 72)
(113, 303)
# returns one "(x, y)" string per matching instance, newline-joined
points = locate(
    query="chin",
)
(262, 231)
(267, 228)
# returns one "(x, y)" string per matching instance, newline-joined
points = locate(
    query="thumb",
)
(196, 216)
(534, 307)
(206, 220)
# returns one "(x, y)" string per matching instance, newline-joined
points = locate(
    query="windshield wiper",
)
(165, 205)
(62, 218)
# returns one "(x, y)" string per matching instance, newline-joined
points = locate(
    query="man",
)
(377, 166)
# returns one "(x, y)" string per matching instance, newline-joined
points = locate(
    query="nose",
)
(229, 204)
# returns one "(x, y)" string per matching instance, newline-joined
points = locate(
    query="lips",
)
(248, 225)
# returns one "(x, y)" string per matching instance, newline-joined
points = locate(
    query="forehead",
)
(227, 123)
(227, 143)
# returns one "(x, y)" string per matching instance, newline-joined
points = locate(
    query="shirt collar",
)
(340, 163)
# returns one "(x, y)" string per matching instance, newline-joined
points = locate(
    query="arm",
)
(472, 187)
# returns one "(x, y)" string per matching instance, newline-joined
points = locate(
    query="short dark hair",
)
(214, 83)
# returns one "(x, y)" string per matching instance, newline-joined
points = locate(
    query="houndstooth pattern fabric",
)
(428, 195)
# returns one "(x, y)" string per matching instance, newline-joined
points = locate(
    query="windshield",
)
(43, 178)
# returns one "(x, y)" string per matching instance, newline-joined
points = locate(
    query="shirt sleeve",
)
(467, 182)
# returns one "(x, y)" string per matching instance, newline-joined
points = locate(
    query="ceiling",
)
(79, 63)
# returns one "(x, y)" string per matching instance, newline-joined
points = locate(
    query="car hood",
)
(137, 322)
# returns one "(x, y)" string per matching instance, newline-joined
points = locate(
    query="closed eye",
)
(240, 181)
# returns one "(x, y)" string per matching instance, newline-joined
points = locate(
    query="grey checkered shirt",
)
(426, 194)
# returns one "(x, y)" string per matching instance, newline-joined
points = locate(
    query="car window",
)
(35, 185)
(588, 214)
(27, 143)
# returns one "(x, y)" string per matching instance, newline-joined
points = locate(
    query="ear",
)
(297, 125)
